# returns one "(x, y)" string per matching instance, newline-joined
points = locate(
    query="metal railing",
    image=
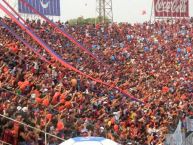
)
(46, 134)
(4, 143)
(26, 125)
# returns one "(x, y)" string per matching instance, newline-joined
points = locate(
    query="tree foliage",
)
(82, 21)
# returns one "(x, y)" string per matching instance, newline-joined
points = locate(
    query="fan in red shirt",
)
(8, 134)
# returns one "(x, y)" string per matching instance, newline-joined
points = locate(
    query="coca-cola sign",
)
(171, 8)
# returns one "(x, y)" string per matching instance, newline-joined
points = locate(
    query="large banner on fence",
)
(46, 7)
(175, 138)
(171, 8)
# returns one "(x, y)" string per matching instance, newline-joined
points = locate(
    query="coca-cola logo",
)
(174, 6)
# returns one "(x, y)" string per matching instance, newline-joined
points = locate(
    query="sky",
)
(123, 10)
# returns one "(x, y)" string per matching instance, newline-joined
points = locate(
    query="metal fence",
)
(189, 140)
(183, 134)
(46, 134)
(4, 143)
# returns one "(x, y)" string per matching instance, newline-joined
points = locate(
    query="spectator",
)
(151, 61)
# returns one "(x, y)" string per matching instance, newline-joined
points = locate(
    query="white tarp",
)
(89, 141)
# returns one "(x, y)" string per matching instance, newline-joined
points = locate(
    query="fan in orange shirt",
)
(188, 49)
(55, 98)
(60, 126)
(46, 102)
(68, 104)
(165, 89)
(23, 85)
(13, 47)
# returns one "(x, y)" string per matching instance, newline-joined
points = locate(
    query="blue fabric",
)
(146, 49)
(81, 139)
(94, 46)
(178, 50)
(112, 97)
(46, 7)
(129, 38)
(113, 58)
(22, 143)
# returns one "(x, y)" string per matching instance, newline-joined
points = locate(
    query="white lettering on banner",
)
(44, 5)
(174, 6)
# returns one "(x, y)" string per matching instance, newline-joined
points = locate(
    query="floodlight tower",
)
(104, 10)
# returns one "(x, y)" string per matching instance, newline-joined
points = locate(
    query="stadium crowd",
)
(152, 61)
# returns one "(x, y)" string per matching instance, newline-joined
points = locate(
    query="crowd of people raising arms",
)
(151, 61)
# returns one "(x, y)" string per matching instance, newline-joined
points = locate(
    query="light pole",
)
(104, 10)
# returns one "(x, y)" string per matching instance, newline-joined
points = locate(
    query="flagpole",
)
(163, 14)
(167, 12)
(172, 17)
(152, 6)
(180, 12)
(95, 16)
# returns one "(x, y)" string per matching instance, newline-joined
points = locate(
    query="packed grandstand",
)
(153, 62)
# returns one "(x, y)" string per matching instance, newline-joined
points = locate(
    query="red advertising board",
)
(171, 8)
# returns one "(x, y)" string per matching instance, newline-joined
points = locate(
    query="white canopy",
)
(89, 141)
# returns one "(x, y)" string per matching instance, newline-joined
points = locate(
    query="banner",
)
(189, 122)
(46, 7)
(176, 138)
(171, 8)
